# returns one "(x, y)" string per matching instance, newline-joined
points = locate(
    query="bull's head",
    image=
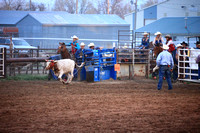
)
(50, 64)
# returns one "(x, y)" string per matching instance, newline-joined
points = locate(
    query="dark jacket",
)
(79, 52)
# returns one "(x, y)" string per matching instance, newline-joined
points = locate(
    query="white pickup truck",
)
(17, 44)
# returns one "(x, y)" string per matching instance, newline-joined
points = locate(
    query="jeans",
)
(175, 73)
(164, 70)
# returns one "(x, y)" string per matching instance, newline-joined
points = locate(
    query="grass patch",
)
(26, 77)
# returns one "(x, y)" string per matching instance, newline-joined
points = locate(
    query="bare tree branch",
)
(149, 3)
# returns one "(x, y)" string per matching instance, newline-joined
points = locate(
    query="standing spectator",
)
(171, 45)
(198, 61)
(175, 70)
(185, 46)
(197, 45)
(80, 53)
(92, 47)
(165, 63)
(145, 41)
(74, 44)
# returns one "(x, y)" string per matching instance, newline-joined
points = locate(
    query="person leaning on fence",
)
(92, 47)
(165, 63)
(74, 44)
(80, 53)
(198, 62)
(185, 46)
(145, 41)
(197, 45)
(175, 70)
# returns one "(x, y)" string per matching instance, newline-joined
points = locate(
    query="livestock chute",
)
(99, 65)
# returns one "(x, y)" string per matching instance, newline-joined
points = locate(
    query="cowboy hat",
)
(167, 36)
(145, 33)
(184, 43)
(91, 44)
(82, 44)
(74, 37)
(197, 43)
(157, 33)
(165, 47)
(179, 45)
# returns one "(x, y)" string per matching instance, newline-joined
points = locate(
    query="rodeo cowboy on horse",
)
(74, 44)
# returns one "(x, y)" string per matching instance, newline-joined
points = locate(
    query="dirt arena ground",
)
(110, 106)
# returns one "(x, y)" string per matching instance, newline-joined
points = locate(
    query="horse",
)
(65, 54)
(157, 50)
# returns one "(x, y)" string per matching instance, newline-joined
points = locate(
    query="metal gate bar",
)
(2, 60)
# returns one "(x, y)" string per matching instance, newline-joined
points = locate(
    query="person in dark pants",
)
(165, 63)
(175, 70)
(80, 53)
(198, 62)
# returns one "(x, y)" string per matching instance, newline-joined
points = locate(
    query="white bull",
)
(60, 67)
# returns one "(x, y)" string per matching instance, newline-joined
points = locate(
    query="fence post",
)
(148, 71)
(4, 60)
(133, 61)
(37, 62)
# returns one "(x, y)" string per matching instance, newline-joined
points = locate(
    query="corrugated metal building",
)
(46, 29)
(178, 27)
(166, 8)
(174, 25)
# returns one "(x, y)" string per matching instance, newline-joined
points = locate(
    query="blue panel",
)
(83, 74)
(150, 13)
(96, 74)
(105, 74)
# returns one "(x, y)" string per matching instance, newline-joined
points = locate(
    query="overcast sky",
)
(50, 3)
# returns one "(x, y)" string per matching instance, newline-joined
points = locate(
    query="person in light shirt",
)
(165, 63)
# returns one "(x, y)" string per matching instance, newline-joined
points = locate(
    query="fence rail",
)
(33, 60)
(24, 61)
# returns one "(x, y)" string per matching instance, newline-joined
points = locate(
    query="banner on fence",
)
(117, 67)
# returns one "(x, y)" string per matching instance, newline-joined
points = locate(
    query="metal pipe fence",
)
(187, 66)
